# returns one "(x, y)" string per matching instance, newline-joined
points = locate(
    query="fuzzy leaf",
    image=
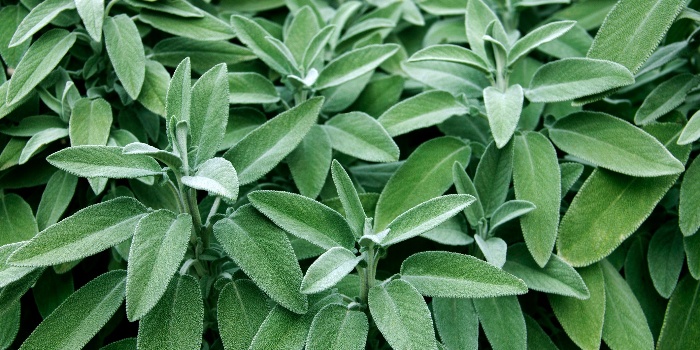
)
(209, 114)
(39, 140)
(92, 12)
(464, 185)
(493, 248)
(208, 27)
(336, 327)
(537, 37)
(354, 64)
(361, 136)
(476, 19)
(103, 161)
(250, 88)
(510, 210)
(203, 54)
(180, 8)
(503, 110)
(688, 207)
(126, 53)
(316, 46)
(241, 309)
(420, 111)
(450, 53)
(254, 36)
(38, 18)
(349, 199)
(17, 221)
(492, 178)
(10, 17)
(665, 97)
(679, 330)
(310, 161)
(282, 329)
(328, 270)
(155, 88)
(90, 122)
(178, 100)
(456, 322)
(9, 273)
(691, 132)
(55, 199)
(503, 322)
(9, 325)
(665, 259)
(217, 176)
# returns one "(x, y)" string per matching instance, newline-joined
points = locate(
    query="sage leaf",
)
(502, 321)
(124, 344)
(282, 329)
(51, 290)
(11, 294)
(155, 88)
(570, 173)
(328, 270)
(581, 77)
(38, 18)
(10, 17)
(492, 178)
(159, 244)
(179, 8)
(254, 36)
(81, 316)
(103, 161)
(453, 275)
(450, 53)
(178, 100)
(92, 13)
(510, 210)
(678, 331)
(688, 207)
(614, 144)
(9, 273)
(264, 253)
(87, 232)
(537, 37)
(691, 132)
(55, 199)
(207, 28)
(90, 122)
(176, 322)
(422, 172)
(493, 248)
(402, 316)
(315, 47)
(503, 110)
(476, 19)
(17, 221)
(456, 322)
(249, 88)
(665, 259)
(39, 60)
(361, 136)
(464, 185)
(420, 111)
(336, 327)
(126, 52)
(310, 161)
(301, 31)
(203, 54)
(349, 199)
(39, 140)
(266, 146)
(637, 275)
(354, 64)
(537, 338)
(9, 325)
(208, 114)
(447, 76)
(240, 311)
(217, 176)
(665, 97)
(305, 218)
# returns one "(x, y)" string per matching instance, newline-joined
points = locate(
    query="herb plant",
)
(386, 174)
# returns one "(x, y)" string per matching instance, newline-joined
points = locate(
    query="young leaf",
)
(450, 53)
(55, 199)
(253, 35)
(207, 28)
(688, 207)
(250, 88)
(301, 32)
(81, 316)
(354, 64)
(264, 253)
(691, 132)
(155, 88)
(9, 325)
(240, 311)
(665, 97)
(665, 259)
(87, 232)
(328, 270)
(464, 185)
(572, 78)
(17, 221)
(492, 178)
(361, 136)
(476, 19)
(336, 327)
(456, 322)
(159, 244)
(305, 218)
(354, 213)
(510, 210)
(38, 18)
(310, 161)
(537, 37)
(679, 331)
(493, 248)
(39, 60)
(316, 46)
(421, 172)
(90, 122)
(209, 114)
(39, 140)
(421, 111)
(266, 146)
(92, 13)
(9, 273)
(453, 275)
(614, 144)
(10, 17)
(217, 176)
(503, 322)
(178, 100)
(402, 316)
(126, 53)
(503, 110)
(176, 322)
(103, 161)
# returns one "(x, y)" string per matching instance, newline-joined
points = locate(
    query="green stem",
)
(109, 7)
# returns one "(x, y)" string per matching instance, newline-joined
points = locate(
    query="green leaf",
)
(51, 290)
(691, 132)
(679, 330)
(637, 276)
(447, 76)
(81, 316)
(336, 327)
(476, 19)
(203, 54)
(9, 273)
(361, 136)
(39, 140)
(310, 161)
(502, 321)
(316, 46)
(328, 270)
(305, 218)
(570, 173)
(266, 146)
(92, 13)
(424, 217)
(55, 199)
(254, 36)
(176, 322)
(103, 161)
(39, 60)
(354, 64)
(217, 176)
(178, 8)
(282, 329)
(155, 88)
(301, 31)
(503, 110)
(537, 37)
(240, 311)
(492, 178)
(536, 179)
(209, 114)
(537, 338)
(556, 277)
(124, 344)
(450, 53)
(572, 78)
(464, 185)
(15, 290)
(17, 221)
(38, 18)
(126, 53)
(688, 207)
(10, 17)
(208, 27)
(633, 29)
(178, 100)
(494, 249)
(9, 325)
(87, 232)
(456, 322)
(665, 259)
(510, 210)
(264, 253)
(159, 244)
(613, 144)
(354, 213)
(421, 111)
(90, 122)
(575, 43)
(665, 97)
(453, 275)
(250, 88)
(421, 171)
(625, 325)
(402, 316)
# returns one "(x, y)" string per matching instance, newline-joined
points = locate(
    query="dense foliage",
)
(380, 174)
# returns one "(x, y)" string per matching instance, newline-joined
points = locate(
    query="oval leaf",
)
(240, 311)
(503, 322)
(208, 114)
(17, 221)
(336, 327)
(38, 18)
(126, 53)
(328, 270)
(679, 331)
(247, 88)
(217, 176)
(450, 53)
(665, 97)
(361, 136)
(456, 322)
(103, 161)
(503, 110)
(354, 64)
(421, 111)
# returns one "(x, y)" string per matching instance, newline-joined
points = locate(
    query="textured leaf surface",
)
(328, 270)
(691, 132)
(361, 136)
(178, 100)
(9, 325)
(503, 322)
(17, 221)
(90, 122)
(492, 178)
(503, 110)
(208, 27)
(155, 87)
(92, 13)
(537, 37)
(679, 330)
(245, 88)
(456, 322)
(217, 176)
(103, 161)
(241, 309)
(420, 111)
(254, 36)
(336, 327)
(282, 329)
(510, 210)
(208, 114)
(665, 259)
(9, 273)
(450, 53)
(349, 199)
(665, 97)
(464, 185)
(689, 207)
(354, 64)
(126, 52)
(310, 161)
(10, 17)
(38, 18)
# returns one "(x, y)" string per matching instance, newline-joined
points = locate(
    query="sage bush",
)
(380, 174)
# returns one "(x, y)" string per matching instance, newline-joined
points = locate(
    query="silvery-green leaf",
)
(29, 126)
(103, 161)
(240, 311)
(209, 114)
(341, 97)
(328, 269)
(250, 88)
(208, 27)
(336, 327)
(39, 60)
(241, 122)
(305, 218)
(347, 194)
(575, 43)
(361, 136)
(87, 232)
(665, 259)
(11, 152)
(10, 17)
(453, 275)
(145, 149)
(9, 325)
(124, 344)
(364, 27)
(502, 321)
(510, 210)
(570, 173)
(178, 100)
(55, 199)
(688, 207)
(301, 32)
(691, 132)
(176, 322)
(354, 64)
(679, 331)
(447, 76)
(556, 277)
(9, 273)
(155, 88)
(537, 37)
(159, 244)
(633, 29)
(476, 19)
(380, 94)
(264, 253)
(15, 290)
(81, 316)
(456, 322)
(37, 142)
(217, 176)
(537, 338)
(493, 248)
(38, 18)
(180, 8)
(572, 78)
(503, 110)
(665, 97)
(17, 221)
(316, 46)
(402, 316)
(421, 171)
(126, 53)
(90, 122)
(310, 161)
(203, 54)
(464, 185)
(420, 111)
(450, 53)
(263, 148)
(449, 232)
(92, 12)
(492, 178)
(253, 35)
